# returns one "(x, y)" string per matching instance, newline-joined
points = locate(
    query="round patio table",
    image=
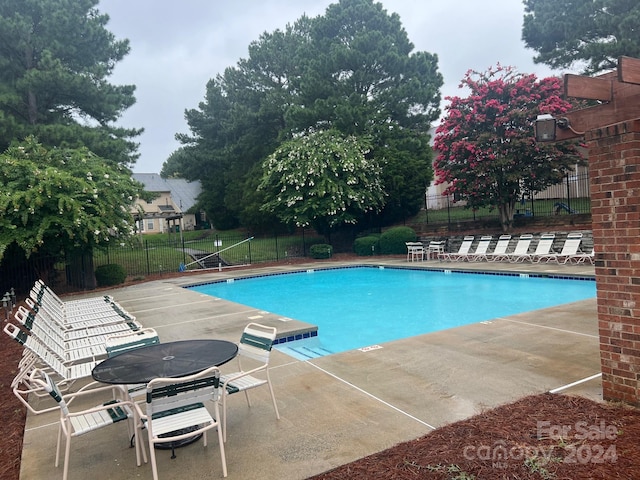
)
(171, 359)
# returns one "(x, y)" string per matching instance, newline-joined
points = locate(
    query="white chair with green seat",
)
(118, 344)
(255, 346)
(80, 422)
(175, 410)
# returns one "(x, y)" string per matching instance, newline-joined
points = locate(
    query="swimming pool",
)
(363, 306)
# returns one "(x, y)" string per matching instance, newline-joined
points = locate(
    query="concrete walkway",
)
(341, 407)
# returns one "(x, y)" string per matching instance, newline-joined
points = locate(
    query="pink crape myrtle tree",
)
(486, 149)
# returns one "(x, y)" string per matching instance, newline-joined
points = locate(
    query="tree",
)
(55, 200)
(55, 57)
(592, 33)
(352, 70)
(486, 148)
(323, 180)
(362, 77)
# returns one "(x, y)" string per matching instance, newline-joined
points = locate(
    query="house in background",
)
(174, 208)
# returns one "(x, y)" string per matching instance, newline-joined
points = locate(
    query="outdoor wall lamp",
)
(545, 127)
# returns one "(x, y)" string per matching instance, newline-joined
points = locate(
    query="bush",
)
(393, 241)
(321, 250)
(369, 245)
(111, 274)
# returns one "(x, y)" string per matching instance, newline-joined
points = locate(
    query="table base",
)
(179, 443)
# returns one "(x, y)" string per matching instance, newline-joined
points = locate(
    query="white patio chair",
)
(415, 251)
(435, 248)
(175, 410)
(255, 347)
(118, 344)
(77, 423)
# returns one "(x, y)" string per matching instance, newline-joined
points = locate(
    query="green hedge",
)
(367, 246)
(321, 250)
(393, 241)
(110, 274)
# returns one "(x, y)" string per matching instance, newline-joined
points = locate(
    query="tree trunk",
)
(506, 215)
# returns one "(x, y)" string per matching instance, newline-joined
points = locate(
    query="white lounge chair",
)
(462, 252)
(579, 258)
(500, 250)
(543, 248)
(570, 247)
(481, 249)
(521, 250)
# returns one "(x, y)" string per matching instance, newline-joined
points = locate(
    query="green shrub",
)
(321, 250)
(111, 274)
(369, 245)
(393, 241)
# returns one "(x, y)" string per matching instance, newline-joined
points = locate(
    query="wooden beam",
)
(591, 118)
(629, 70)
(592, 88)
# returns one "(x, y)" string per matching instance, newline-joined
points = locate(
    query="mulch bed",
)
(546, 436)
(13, 412)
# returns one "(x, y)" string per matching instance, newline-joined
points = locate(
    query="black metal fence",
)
(152, 257)
(568, 198)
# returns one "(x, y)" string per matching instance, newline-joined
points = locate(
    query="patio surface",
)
(341, 407)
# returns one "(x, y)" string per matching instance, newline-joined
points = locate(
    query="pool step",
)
(307, 349)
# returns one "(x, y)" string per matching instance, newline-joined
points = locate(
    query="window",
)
(149, 224)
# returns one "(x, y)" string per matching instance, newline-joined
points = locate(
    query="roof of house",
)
(183, 192)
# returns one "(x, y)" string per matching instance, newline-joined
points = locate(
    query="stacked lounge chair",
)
(66, 339)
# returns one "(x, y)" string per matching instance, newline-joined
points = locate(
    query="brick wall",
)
(614, 169)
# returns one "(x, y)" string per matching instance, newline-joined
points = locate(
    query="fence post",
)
(146, 250)
(449, 209)
(249, 242)
(304, 245)
(277, 253)
(568, 195)
(184, 254)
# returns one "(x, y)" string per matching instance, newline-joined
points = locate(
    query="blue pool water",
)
(364, 306)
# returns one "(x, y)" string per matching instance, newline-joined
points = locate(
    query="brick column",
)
(614, 170)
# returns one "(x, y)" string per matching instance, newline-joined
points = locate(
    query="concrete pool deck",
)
(342, 407)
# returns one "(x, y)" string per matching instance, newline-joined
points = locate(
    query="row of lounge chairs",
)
(543, 253)
(66, 339)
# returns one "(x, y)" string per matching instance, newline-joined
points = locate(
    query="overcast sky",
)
(176, 47)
